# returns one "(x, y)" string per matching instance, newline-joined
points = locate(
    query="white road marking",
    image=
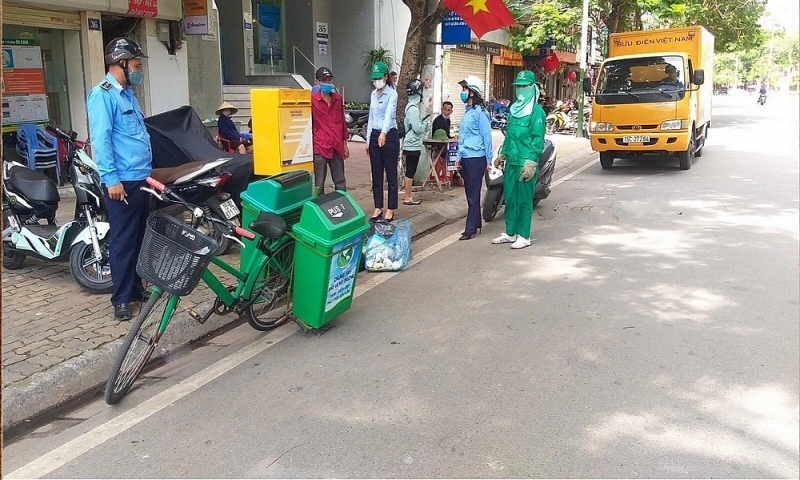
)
(71, 450)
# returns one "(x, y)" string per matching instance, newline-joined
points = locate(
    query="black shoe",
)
(467, 236)
(376, 219)
(122, 312)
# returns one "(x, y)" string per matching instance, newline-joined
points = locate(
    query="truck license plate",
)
(636, 139)
(229, 208)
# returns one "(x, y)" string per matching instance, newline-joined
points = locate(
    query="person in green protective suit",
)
(519, 158)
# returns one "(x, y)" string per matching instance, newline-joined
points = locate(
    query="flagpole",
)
(583, 52)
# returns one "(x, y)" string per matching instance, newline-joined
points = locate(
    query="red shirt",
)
(327, 125)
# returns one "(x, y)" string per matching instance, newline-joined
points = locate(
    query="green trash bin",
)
(329, 242)
(282, 195)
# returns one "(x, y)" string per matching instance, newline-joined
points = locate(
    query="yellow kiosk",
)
(281, 130)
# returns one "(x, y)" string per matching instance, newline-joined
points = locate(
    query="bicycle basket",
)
(173, 255)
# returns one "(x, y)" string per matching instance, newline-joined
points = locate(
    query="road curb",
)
(87, 373)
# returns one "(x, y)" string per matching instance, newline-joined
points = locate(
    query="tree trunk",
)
(426, 15)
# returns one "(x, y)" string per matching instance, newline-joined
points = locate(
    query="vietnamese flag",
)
(482, 16)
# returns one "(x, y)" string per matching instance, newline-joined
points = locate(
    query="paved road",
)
(651, 331)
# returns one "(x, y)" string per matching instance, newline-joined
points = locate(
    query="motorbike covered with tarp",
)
(179, 136)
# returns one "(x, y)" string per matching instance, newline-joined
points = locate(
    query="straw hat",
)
(226, 106)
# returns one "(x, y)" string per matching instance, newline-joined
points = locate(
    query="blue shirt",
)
(227, 129)
(382, 111)
(120, 142)
(475, 134)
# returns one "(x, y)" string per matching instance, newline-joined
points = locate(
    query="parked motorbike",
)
(499, 120)
(566, 122)
(356, 121)
(494, 199)
(30, 196)
(762, 98)
(200, 183)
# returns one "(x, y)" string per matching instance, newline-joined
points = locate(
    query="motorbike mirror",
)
(587, 85)
(699, 77)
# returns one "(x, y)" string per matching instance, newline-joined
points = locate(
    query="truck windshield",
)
(641, 80)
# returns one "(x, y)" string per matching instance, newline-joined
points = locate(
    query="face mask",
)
(326, 88)
(136, 77)
(380, 83)
(523, 93)
(464, 97)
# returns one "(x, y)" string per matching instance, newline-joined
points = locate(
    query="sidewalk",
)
(59, 342)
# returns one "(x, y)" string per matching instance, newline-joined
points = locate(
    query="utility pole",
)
(583, 53)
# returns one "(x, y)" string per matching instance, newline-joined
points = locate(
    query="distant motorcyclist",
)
(763, 90)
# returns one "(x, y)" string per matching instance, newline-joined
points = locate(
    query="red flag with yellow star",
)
(482, 16)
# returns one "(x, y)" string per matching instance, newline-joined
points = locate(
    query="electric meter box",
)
(281, 130)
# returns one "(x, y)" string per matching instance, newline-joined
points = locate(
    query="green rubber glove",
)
(528, 171)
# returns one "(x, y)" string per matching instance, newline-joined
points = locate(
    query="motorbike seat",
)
(168, 175)
(269, 225)
(33, 185)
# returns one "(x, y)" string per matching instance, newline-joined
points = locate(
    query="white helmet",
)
(473, 83)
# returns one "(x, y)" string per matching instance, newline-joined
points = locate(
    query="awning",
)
(566, 57)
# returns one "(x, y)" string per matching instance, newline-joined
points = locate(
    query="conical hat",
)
(226, 106)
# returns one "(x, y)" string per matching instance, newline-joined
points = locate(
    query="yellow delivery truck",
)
(651, 96)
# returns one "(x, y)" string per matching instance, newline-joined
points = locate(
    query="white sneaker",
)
(521, 243)
(504, 238)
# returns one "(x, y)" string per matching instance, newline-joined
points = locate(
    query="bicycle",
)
(175, 257)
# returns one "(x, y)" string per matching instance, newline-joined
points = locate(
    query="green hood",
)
(526, 99)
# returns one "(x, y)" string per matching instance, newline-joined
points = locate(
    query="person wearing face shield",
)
(518, 158)
(329, 132)
(121, 148)
(383, 146)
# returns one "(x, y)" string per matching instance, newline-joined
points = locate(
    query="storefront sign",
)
(23, 88)
(143, 8)
(322, 30)
(482, 48)
(508, 57)
(195, 8)
(197, 25)
(322, 48)
(455, 30)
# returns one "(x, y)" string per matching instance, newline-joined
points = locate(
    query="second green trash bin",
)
(329, 243)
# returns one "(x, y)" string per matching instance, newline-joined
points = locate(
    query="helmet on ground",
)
(414, 87)
(122, 48)
(473, 83)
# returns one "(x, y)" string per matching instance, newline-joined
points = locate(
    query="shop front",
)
(468, 59)
(504, 70)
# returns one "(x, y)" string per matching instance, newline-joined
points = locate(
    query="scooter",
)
(29, 197)
(356, 121)
(494, 199)
(200, 183)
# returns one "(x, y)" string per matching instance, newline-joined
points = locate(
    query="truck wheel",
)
(606, 159)
(699, 152)
(685, 158)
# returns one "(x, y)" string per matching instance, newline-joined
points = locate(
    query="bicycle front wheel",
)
(138, 346)
(271, 289)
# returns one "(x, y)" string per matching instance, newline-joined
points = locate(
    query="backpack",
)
(401, 128)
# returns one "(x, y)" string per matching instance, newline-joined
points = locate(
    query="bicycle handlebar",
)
(159, 189)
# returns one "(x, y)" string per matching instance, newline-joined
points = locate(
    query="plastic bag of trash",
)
(388, 249)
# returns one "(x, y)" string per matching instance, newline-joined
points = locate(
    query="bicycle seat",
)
(269, 225)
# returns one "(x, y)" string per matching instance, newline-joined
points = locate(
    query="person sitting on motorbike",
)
(672, 77)
(763, 90)
(519, 157)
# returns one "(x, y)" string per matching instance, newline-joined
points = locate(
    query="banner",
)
(508, 57)
(195, 20)
(143, 8)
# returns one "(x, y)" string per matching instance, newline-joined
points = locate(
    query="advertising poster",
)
(270, 43)
(344, 267)
(452, 156)
(296, 143)
(195, 20)
(22, 86)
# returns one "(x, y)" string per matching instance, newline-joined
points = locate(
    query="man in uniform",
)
(123, 154)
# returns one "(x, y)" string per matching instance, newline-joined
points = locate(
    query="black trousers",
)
(128, 223)
(384, 159)
(472, 169)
